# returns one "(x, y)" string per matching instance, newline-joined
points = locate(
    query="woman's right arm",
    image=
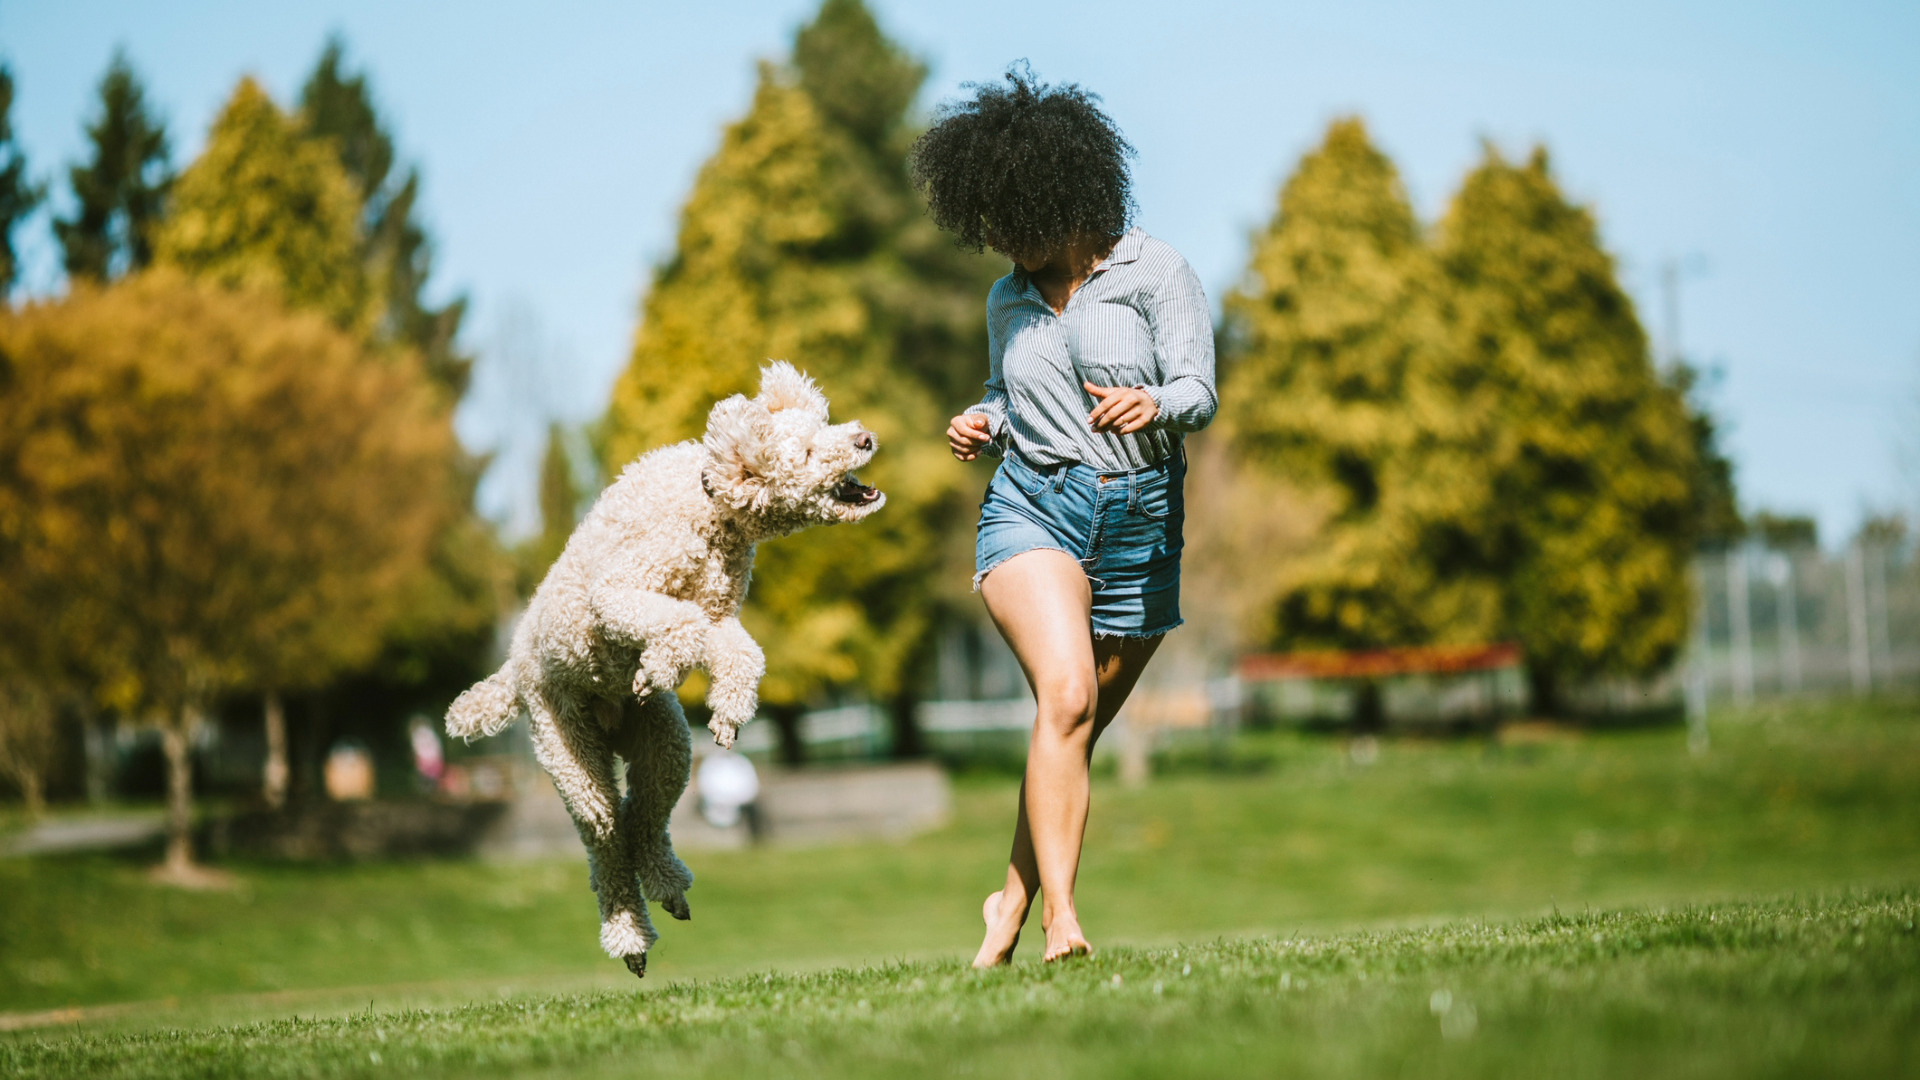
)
(980, 428)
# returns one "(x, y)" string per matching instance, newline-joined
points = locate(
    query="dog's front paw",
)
(724, 732)
(676, 906)
(647, 680)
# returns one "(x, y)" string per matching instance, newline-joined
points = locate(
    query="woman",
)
(1100, 345)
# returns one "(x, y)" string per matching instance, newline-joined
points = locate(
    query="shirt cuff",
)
(1159, 409)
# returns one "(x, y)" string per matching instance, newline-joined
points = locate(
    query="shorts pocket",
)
(1157, 499)
(1023, 476)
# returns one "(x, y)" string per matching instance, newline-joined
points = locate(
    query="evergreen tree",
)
(440, 644)
(1341, 381)
(265, 207)
(1593, 460)
(18, 196)
(1716, 507)
(122, 192)
(803, 240)
(559, 512)
(339, 108)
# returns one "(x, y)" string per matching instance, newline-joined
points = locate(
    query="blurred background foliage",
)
(803, 240)
(1481, 412)
(1432, 433)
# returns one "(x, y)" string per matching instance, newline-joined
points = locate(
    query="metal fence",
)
(1769, 624)
(1782, 623)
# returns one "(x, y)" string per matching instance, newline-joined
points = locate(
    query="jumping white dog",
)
(648, 588)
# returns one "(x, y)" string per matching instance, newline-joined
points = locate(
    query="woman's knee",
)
(1068, 704)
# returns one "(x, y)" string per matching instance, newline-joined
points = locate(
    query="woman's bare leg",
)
(1042, 604)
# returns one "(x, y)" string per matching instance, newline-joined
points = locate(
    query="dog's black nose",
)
(864, 440)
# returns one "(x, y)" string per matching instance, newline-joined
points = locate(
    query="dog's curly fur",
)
(648, 588)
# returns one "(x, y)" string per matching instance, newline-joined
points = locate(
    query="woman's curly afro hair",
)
(1025, 168)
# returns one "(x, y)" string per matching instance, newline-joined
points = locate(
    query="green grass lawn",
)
(1788, 989)
(1437, 867)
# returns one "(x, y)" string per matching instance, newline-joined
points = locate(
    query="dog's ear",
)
(739, 444)
(783, 386)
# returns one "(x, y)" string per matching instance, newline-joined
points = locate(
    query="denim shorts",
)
(1124, 528)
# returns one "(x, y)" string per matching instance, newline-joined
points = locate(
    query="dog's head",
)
(775, 455)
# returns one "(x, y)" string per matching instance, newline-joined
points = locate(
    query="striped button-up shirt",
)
(1140, 320)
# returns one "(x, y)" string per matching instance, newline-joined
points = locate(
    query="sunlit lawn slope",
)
(1823, 988)
(1294, 838)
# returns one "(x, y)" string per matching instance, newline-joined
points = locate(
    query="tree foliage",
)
(1592, 455)
(265, 207)
(1478, 418)
(200, 491)
(339, 108)
(1342, 381)
(121, 193)
(18, 195)
(803, 240)
(559, 512)
(298, 206)
(1716, 511)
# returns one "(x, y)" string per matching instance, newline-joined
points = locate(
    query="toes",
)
(637, 963)
(677, 907)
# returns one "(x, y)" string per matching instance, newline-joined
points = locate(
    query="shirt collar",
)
(1128, 249)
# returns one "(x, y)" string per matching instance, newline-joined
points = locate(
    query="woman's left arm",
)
(1182, 327)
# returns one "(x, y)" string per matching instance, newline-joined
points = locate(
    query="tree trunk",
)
(786, 720)
(33, 791)
(1544, 697)
(99, 752)
(1369, 712)
(273, 785)
(906, 728)
(174, 734)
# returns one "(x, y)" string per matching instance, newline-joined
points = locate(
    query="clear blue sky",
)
(1776, 147)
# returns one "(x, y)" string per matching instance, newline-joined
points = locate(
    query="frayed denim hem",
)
(982, 575)
(1139, 634)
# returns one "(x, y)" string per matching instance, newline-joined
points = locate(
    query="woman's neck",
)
(1062, 274)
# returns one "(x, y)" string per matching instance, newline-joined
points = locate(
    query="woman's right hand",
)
(967, 434)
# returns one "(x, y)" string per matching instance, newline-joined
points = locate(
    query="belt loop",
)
(1060, 479)
(1133, 490)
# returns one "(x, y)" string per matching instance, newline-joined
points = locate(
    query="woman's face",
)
(1029, 261)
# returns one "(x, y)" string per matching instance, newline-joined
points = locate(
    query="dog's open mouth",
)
(851, 491)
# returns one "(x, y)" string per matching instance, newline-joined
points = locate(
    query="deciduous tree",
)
(202, 491)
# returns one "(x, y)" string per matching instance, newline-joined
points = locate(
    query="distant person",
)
(1100, 347)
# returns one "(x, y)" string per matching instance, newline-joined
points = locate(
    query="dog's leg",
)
(670, 634)
(572, 745)
(736, 663)
(658, 749)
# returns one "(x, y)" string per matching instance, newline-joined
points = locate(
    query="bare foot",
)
(1064, 938)
(1003, 933)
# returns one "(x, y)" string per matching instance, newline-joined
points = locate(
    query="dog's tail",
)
(487, 708)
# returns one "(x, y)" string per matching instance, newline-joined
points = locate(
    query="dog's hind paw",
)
(676, 906)
(637, 963)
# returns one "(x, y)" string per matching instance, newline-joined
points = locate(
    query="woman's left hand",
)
(1122, 410)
